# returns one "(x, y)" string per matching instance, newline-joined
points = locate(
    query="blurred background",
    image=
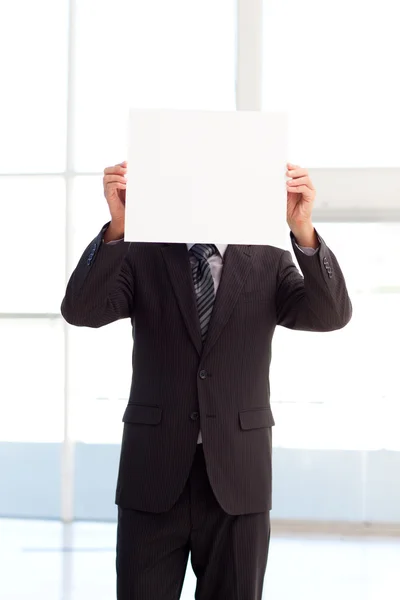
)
(70, 70)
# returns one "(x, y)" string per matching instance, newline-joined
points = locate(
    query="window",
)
(337, 79)
(33, 46)
(152, 54)
(343, 389)
(33, 240)
(331, 67)
(32, 380)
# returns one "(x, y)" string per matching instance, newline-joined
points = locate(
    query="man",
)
(195, 467)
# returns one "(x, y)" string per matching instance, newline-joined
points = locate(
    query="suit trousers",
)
(228, 553)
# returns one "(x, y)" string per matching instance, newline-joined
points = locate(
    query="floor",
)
(46, 561)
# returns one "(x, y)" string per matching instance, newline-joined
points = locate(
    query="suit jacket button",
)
(203, 374)
(194, 416)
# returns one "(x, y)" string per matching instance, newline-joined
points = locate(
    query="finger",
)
(302, 189)
(291, 166)
(116, 186)
(300, 181)
(114, 178)
(117, 169)
(297, 173)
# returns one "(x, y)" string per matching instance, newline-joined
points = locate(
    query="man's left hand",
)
(300, 201)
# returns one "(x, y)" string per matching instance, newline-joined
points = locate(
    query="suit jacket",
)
(179, 385)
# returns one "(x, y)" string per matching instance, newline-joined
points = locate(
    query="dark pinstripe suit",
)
(178, 385)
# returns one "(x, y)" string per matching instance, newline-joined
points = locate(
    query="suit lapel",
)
(177, 260)
(237, 265)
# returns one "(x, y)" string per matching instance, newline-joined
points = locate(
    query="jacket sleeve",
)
(316, 301)
(101, 289)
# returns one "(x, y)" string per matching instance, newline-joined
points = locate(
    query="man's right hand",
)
(114, 183)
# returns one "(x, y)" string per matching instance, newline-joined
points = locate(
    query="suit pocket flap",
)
(142, 414)
(256, 418)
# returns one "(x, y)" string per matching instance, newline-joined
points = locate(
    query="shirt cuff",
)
(307, 251)
(304, 249)
(113, 242)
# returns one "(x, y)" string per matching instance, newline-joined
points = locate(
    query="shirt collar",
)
(220, 247)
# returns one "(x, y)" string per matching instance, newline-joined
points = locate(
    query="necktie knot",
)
(203, 251)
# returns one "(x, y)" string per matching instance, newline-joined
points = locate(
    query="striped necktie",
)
(203, 283)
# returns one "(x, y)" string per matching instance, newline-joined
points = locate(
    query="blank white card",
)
(206, 177)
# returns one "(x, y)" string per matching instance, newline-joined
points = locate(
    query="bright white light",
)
(334, 67)
(153, 54)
